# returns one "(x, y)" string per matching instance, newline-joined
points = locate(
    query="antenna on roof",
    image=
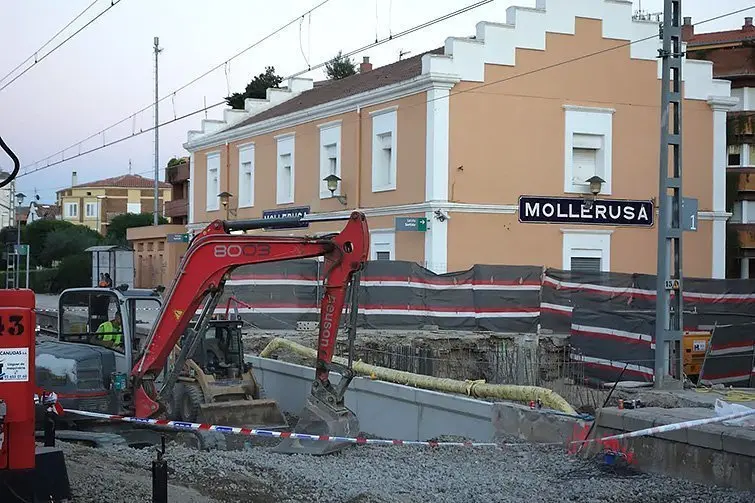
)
(402, 53)
(129, 166)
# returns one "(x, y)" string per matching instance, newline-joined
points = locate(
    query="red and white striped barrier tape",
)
(252, 432)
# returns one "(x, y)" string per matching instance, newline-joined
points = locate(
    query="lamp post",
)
(20, 196)
(224, 197)
(332, 182)
(596, 184)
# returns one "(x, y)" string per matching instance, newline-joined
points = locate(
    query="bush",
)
(74, 271)
(40, 280)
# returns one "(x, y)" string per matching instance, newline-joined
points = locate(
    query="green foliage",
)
(257, 88)
(175, 161)
(340, 67)
(74, 271)
(40, 280)
(63, 243)
(116, 232)
(35, 235)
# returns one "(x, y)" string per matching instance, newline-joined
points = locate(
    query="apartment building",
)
(95, 203)
(177, 175)
(488, 150)
(733, 55)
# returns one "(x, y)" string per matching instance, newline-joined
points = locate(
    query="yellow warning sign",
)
(178, 313)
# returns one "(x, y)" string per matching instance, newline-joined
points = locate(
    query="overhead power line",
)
(380, 42)
(36, 53)
(179, 89)
(38, 60)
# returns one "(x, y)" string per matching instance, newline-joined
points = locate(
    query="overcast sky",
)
(105, 73)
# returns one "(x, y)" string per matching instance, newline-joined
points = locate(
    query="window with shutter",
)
(585, 264)
(585, 163)
(735, 155)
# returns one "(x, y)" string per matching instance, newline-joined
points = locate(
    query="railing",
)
(178, 173)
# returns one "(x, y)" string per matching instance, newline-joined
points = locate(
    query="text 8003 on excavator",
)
(205, 379)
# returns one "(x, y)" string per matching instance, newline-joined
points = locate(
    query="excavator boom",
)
(205, 267)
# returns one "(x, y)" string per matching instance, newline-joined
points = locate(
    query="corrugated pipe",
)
(479, 389)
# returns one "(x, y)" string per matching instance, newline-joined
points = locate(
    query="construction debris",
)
(373, 475)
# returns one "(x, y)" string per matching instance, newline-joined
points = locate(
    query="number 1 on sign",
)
(693, 222)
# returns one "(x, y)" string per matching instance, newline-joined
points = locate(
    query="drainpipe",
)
(227, 170)
(358, 190)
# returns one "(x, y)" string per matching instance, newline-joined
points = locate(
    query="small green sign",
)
(416, 224)
(178, 238)
(22, 249)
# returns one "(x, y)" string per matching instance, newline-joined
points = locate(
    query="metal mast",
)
(668, 309)
(155, 220)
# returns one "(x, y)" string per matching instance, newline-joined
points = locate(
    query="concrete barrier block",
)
(709, 436)
(610, 417)
(739, 441)
(634, 420)
(674, 435)
(510, 419)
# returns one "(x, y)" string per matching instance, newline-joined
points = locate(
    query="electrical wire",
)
(380, 42)
(194, 80)
(209, 107)
(35, 53)
(113, 3)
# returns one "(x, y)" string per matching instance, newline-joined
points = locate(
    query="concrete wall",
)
(401, 412)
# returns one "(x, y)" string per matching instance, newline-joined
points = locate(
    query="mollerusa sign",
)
(572, 210)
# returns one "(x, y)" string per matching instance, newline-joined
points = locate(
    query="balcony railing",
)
(177, 208)
(177, 174)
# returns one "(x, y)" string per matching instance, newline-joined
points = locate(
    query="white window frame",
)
(88, 205)
(382, 240)
(587, 244)
(737, 150)
(588, 121)
(213, 201)
(72, 210)
(246, 155)
(286, 146)
(330, 138)
(384, 121)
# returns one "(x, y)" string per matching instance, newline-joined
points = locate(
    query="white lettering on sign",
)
(618, 212)
(14, 364)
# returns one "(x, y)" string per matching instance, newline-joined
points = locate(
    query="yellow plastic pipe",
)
(479, 389)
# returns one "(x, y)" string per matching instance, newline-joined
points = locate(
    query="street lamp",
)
(596, 184)
(332, 184)
(224, 197)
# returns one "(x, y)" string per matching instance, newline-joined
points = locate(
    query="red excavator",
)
(157, 367)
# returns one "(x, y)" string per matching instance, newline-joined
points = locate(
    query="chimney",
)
(74, 179)
(365, 65)
(688, 29)
(748, 24)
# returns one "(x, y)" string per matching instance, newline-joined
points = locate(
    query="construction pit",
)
(530, 462)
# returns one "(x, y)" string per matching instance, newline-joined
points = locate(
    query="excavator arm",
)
(206, 266)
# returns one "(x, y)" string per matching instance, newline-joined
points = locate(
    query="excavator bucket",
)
(319, 418)
(262, 414)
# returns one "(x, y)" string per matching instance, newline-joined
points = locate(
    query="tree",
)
(257, 88)
(35, 235)
(175, 161)
(340, 67)
(63, 243)
(116, 231)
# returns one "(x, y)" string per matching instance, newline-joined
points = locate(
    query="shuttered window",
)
(585, 264)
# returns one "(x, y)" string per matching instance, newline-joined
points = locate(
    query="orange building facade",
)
(492, 139)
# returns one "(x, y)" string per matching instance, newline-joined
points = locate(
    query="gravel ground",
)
(375, 474)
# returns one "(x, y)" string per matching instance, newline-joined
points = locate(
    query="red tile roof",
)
(721, 37)
(124, 182)
(331, 90)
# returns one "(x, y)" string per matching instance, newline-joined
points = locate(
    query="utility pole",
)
(157, 138)
(668, 310)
